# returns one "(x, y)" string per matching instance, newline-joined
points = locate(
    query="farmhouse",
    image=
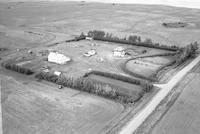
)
(58, 58)
(119, 52)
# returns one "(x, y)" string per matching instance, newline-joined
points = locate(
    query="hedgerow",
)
(187, 52)
(17, 68)
(76, 39)
(114, 76)
(131, 40)
(146, 86)
(87, 85)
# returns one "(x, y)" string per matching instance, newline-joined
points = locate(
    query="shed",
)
(57, 73)
(88, 38)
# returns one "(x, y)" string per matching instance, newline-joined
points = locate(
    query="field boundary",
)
(88, 85)
(132, 40)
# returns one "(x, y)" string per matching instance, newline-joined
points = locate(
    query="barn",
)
(58, 58)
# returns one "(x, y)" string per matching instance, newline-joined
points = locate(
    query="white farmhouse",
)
(119, 52)
(58, 58)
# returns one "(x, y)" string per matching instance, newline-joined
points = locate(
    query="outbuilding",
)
(58, 58)
(58, 73)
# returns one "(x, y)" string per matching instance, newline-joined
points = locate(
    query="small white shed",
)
(88, 38)
(57, 73)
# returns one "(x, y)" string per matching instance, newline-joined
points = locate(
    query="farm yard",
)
(59, 76)
(103, 60)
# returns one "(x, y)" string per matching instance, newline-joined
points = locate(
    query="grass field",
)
(41, 108)
(72, 18)
(182, 117)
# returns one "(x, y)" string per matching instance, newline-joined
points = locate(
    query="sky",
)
(178, 3)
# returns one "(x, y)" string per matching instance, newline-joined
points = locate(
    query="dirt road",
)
(139, 118)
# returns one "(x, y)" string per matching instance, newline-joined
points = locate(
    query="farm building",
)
(58, 73)
(58, 58)
(119, 52)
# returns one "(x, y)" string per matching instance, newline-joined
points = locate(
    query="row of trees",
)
(87, 85)
(187, 52)
(184, 54)
(17, 68)
(146, 86)
(131, 40)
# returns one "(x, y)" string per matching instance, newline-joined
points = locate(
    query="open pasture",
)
(44, 109)
(34, 22)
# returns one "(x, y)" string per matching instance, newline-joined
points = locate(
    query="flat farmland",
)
(183, 116)
(38, 23)
(40, 108)
(28, 28)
